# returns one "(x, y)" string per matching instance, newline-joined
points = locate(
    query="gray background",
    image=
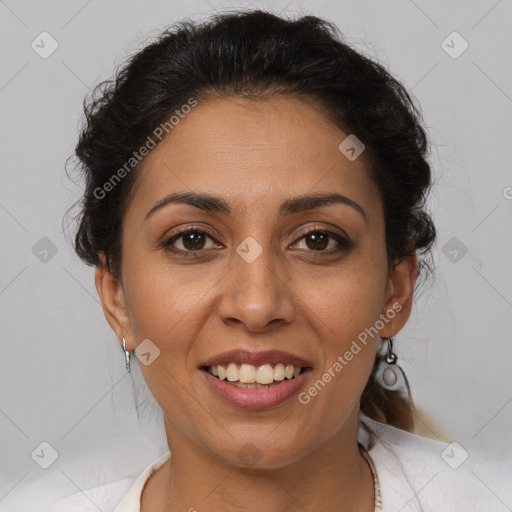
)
(62, 376)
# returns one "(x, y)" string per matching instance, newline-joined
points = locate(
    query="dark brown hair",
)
(255, 54)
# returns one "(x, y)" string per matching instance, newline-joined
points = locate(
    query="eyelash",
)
(344, 244)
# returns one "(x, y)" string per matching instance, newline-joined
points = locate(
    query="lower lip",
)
(256, 398)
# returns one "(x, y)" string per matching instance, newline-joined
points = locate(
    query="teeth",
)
(232, 372)
(279, 372)
(264, 374)
(248, 375)
(253, 385)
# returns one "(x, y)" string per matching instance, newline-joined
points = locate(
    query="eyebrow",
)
(215, 204)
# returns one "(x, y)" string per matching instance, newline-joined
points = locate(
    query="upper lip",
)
(240, 356)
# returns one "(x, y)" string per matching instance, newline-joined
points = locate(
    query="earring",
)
(389, 374)
(127, 355)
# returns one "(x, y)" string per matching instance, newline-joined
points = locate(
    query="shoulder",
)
(104, 497)
(119, 496)
(420, 474)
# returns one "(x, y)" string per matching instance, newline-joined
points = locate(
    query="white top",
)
(413, 473)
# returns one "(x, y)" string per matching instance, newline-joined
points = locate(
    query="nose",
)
(256, 295)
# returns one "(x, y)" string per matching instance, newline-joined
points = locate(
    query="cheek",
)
(342, 325)
(344, 313)
(165, 311)
(348, 344)
(161, 297)
(349, 302)
(169, 307)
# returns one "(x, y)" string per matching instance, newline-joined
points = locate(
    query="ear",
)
(113, 303)
(399, 294)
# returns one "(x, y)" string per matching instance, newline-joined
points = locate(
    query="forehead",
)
(252, 153)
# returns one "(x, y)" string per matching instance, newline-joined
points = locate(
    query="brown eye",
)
(193, 241)
(319, 241)
(190, 240)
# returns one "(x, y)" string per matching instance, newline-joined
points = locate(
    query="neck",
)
(334, 476)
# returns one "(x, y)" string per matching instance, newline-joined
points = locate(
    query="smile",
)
(255, 395)
(251, 376)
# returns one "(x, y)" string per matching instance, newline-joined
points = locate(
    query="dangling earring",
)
(389, 374)
(127, 355)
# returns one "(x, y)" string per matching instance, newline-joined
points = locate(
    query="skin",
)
(311, 303)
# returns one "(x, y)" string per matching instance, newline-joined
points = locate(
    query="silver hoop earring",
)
(389, 374)
(127, 355)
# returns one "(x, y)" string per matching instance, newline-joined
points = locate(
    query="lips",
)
(256, 395)
(241, 356)
(256, 398)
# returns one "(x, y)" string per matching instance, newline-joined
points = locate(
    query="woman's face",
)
(259, 272)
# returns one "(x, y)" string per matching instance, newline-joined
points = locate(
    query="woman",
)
(255, 209)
